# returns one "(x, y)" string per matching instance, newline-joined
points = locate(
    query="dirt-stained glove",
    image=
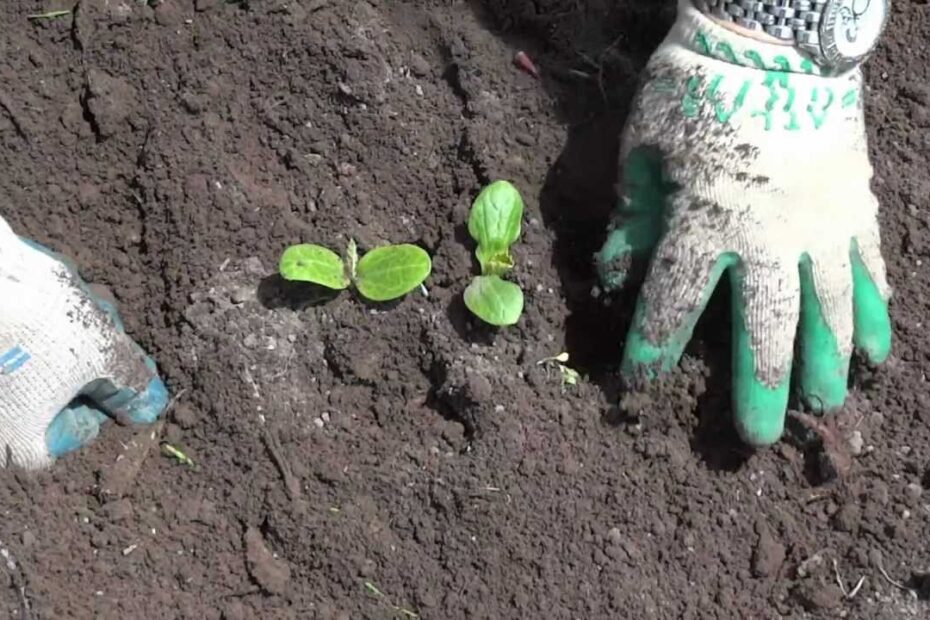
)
(66, 364)
(740, 157)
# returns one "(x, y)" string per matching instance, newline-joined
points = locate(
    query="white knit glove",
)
(739, 157)
(59, 342)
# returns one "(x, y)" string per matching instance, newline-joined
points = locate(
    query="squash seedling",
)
(569, 375)
(382, 274)
(494, 223)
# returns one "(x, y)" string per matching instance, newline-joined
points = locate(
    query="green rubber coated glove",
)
(741, 158)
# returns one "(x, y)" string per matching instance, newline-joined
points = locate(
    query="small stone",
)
(815, 597)
(191, 103)
(241, 295)
(347, 170)
(269, 572)
(185, 416)
(879, 493)
(847, 517)
(119, 510)
(29, 539)
(168, 14)
(856, 443)
(913, 491)
(173, 434)
(419, 66)
(614, 535)
(318, 422)
(235, 610)
(810, 566)
(768, 555)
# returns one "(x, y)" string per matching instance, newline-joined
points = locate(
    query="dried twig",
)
(896, 584)
(839, 581)
(291, 484)
(18, 579)
(14, 117)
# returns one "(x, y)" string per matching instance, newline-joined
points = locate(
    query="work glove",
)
(66, 363)
(745, 158)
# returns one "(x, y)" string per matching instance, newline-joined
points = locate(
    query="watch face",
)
(851, 28)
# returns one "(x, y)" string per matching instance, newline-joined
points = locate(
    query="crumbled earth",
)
(368, 461)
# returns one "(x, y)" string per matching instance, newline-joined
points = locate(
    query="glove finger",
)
(765, 317)
(75, 426)
(133, 391)
(637, 225)
(872, 323)
(826, 329)
(681, 280)
(108, 307)
(61, 258)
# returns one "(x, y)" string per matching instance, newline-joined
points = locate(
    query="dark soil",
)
(358, 461)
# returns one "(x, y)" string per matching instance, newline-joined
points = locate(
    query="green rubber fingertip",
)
(643, 357)
(639, 219)
(871, 321)
(758, 410)
(640, 355)
(635, 238)
(824, 371)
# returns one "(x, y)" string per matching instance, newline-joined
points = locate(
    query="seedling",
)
(494, 223)
(49, 14)
(383, 274)
(182, 458)
(374, 591)
(570, 376)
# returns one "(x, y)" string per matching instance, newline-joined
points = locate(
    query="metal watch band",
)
(788, 20)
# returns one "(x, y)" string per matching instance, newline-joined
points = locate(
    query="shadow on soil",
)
(593, 76)
(276, 292)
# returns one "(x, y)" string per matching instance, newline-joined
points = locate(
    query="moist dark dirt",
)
(363, 461)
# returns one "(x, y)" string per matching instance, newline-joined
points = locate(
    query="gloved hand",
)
(742, 157)
(66, 364)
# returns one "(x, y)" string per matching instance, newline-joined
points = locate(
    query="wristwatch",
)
(836, 34)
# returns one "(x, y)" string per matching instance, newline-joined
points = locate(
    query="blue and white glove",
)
(66, 363)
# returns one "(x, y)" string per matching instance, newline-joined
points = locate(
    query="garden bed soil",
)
(362, 461)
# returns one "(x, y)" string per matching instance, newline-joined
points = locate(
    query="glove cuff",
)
(699, 33)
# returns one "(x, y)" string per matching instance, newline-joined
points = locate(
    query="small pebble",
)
(810, 566)
(241, 295)
(768, 554)
(318, 422)
(856, 443)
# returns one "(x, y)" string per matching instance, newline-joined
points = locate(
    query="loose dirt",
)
(361, 461)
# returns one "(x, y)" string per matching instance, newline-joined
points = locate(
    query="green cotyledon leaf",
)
(494, 223)
(391, 271)
(494, 300)
(313, 263)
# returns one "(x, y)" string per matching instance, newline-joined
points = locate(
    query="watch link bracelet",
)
(836, 34)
